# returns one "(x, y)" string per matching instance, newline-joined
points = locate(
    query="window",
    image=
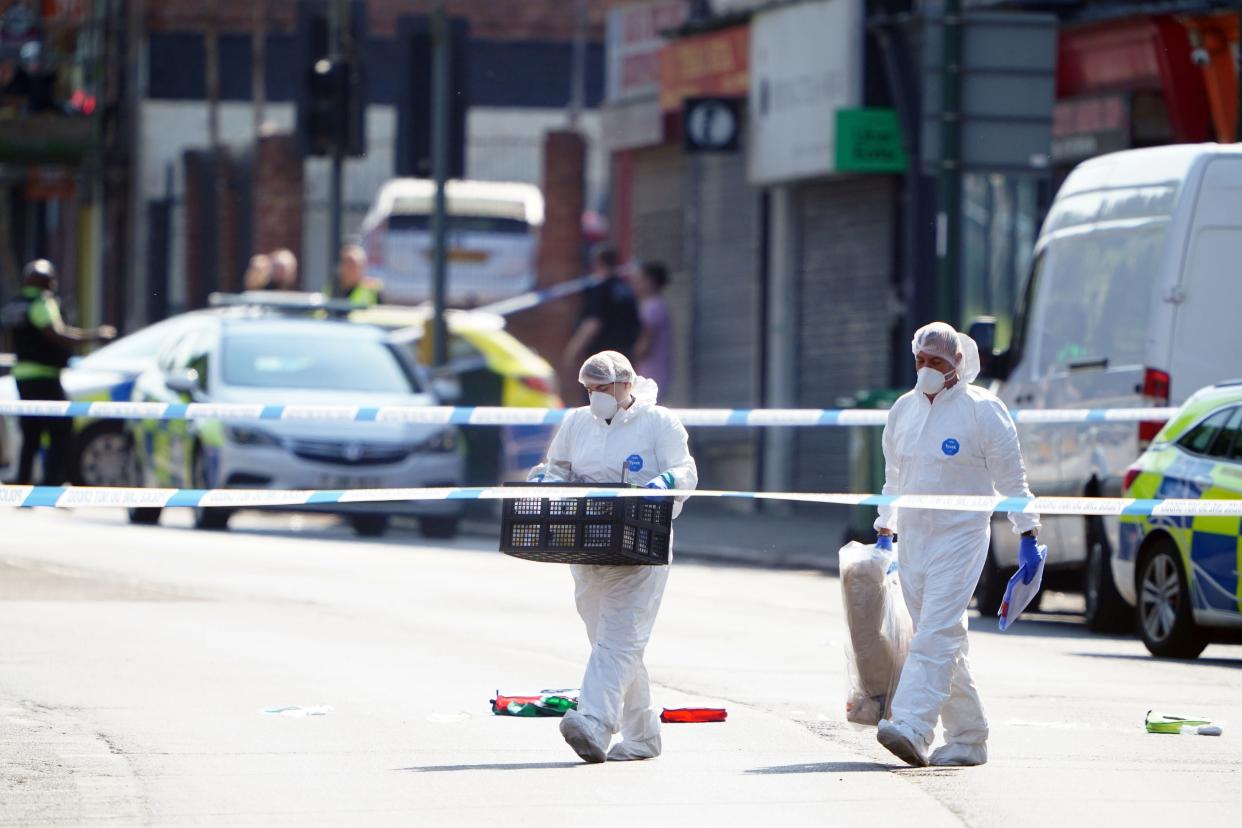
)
(326, 363)
(1094, 298)
(1200, 438)
(1228, 444)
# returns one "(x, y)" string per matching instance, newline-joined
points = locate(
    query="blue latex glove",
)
(1028, 558)
(884, 542)
(663, 481)
(535, 478)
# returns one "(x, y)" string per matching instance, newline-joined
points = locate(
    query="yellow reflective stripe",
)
(34, 370)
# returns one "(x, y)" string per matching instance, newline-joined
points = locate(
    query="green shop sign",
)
(869, 141)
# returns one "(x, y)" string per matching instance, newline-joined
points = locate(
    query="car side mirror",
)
(983, 332)
(185, 382)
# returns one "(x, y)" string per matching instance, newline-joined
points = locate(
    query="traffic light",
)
(331, 90)
(414, 126)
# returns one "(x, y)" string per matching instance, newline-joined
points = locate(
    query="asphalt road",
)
(135, 663)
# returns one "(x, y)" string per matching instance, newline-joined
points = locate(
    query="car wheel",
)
(1165, 617)
(102, 456)
(990, 591)
(145, 516)
(212, 518)
(369, 526)
(1106, 611)
(441, 528)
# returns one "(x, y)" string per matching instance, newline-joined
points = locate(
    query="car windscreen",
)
(325, 363)
(1091, 298)
(141, 345)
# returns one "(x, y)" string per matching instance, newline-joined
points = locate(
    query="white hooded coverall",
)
(964, 443)
(618, 604)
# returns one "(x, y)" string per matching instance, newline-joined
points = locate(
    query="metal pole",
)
(439, 166)
(258, 63)
(213, 73)
(339, 23)
(949, 189)
(577, 86)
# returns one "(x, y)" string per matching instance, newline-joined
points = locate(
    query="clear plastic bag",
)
(879, 631)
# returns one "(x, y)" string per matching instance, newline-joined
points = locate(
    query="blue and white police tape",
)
(71, 497)
(499, 415)
(535, 298)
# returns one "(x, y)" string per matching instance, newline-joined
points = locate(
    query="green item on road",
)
(547, 703)
(1161, 723)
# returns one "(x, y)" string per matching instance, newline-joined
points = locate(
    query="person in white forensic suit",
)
(945, 437)
(622, 436)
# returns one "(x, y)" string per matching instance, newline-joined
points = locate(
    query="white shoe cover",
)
(901, 741)
(577, 732)
(960, 755)
(626, 751)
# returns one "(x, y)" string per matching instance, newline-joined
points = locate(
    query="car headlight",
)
(243, 436)
(442, 441)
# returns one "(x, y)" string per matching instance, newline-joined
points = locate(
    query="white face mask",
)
(604, 405)
(931, 381)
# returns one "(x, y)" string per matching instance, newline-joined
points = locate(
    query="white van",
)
(493, 238)
(1133, 300)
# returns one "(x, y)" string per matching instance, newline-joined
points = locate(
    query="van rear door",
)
(1206, 344)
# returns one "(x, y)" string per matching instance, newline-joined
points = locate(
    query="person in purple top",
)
(653, 352)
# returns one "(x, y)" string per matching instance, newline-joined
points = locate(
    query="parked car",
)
(493, 234)
(100, 452)
(276, 360)
(1130, 303)
(1182, 572)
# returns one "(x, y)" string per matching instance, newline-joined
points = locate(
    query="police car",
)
(275, 360)
(1182, 572)
(100, 453)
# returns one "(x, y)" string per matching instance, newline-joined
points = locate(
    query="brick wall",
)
(277, 194)
(489, 19)
(548, 327)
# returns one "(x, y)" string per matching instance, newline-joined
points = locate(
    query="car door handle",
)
(1205, 482)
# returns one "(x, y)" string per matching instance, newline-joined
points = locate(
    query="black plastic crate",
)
(606, 531)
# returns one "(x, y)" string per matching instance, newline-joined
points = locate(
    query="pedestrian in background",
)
(43, 345)
(653, 353)
(284, 270)
(609, 320)
(952, 438)
(352, 281)
(622, 428)
(258, 273)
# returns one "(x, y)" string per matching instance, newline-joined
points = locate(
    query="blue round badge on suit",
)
(634, 462)
(950, 447)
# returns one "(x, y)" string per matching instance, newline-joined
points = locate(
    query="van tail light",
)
(1131, 473)
(1156, 386)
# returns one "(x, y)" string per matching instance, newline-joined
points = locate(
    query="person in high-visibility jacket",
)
(44, 343)
(352, 281)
